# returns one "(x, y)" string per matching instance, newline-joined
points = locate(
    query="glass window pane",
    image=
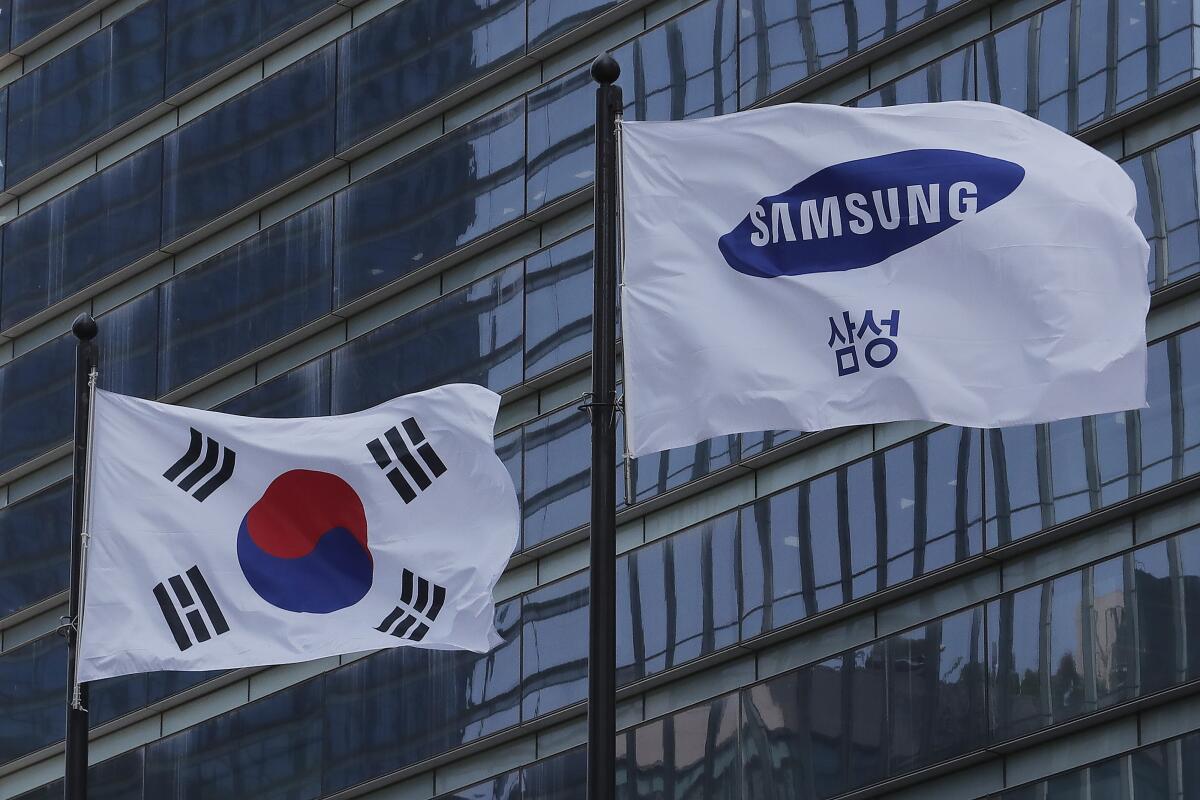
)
(33, 686)
(268, 749)
(100, 83)
(299, 392)
(118, 778)
(557, 475)
(265, 136)
(89, 232)
(248, 296)
(949, 78)
(472, 335)
(558, 304)
(775, 592)
(562, 152)
(205, 35)
(419, 51)
(35, 542)
(690, 754)
(549, 19)
(556, 778)
(554, 655)
(462, 186)
(31, 17)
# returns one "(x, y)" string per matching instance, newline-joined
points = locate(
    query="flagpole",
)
(602, 645)
(75, 784)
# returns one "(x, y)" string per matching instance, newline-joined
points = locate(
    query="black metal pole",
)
(75, 784)
(602, 649)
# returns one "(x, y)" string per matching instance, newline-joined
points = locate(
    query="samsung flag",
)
(219, 541)
(808, 267)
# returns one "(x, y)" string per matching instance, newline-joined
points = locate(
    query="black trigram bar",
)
(399, 462)
(191, 593)
(212, 453)
(421, 601)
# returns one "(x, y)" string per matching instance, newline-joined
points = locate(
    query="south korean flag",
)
(216, 541)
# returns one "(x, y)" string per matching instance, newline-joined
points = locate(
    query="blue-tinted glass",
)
(781, 41)
(949, 78)
(1113, 631)
(248, 145)
(270, 749)
(557, 474)
(36, 389)
(204, 35)
(936, 689)
(35, 544)
(775, 589)
(752, 444)
(1112, 65)
(400, 706)
(554, 653)
(818, 731)
(678, 599)
(36, 401)
(425, 205)
(417, 52)
(33, 685)
(505, 787)
(558, 304)
(31, 17)
(1168, 207)
(118, 778)
(556, 778)
(549, 19)
(562, 138)
(5, 28)
(89, 232)
(688, 755)
(659, 472)
(470, 336)
(1167, 583)
(114, 697)
(107, 79)
(248, 296)
(684, 69)
(300, 392)
(510, 447)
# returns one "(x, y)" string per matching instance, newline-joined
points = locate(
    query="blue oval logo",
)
(859, 213)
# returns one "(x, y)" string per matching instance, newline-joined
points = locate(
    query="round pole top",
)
(84, 327)
(605, 69)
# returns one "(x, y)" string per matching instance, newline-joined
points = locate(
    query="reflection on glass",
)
(1168, 207)
(949, 78)
(34, 548)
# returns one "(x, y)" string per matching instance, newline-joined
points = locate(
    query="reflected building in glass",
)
(303, 208)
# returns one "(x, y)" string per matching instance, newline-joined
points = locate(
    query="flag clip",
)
(66, 626)
(618, 406)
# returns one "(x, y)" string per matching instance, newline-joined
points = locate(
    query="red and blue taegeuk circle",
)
(303, 545)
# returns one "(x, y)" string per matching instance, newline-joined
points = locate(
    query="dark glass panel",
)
(776, 588)
(549, 19)
(1167, 582)
(250, 295)
(300, 392)
(949, 78)
(263, 137)
(683, 69)
(205, 35)
(36, 389)
(1168, 207)
(472, 335)
(400, 706)
(1113, 626)
(818, 731)
(678, 599)
(419, 51)
(31, 17)
(937, 683)
(89, 232)
(118, 778)
(657, 473)
(270, 749)
(556, 778)
(33, 686)
(1116, 60)
(510, 447)
(781, 41)
(752, 444)
(558, 304)
(105, 80)
(557, 474)
(114, 697)
(35, 541)
(689, 755)
(464, 185)
(562, 152)
(554, 653)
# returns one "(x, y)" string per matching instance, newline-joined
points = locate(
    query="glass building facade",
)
(305, 207)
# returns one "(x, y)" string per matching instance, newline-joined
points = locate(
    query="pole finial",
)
(605, 69)
(84, 327)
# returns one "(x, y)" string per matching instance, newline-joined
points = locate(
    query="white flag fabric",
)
(808, 267)
(219, 541)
